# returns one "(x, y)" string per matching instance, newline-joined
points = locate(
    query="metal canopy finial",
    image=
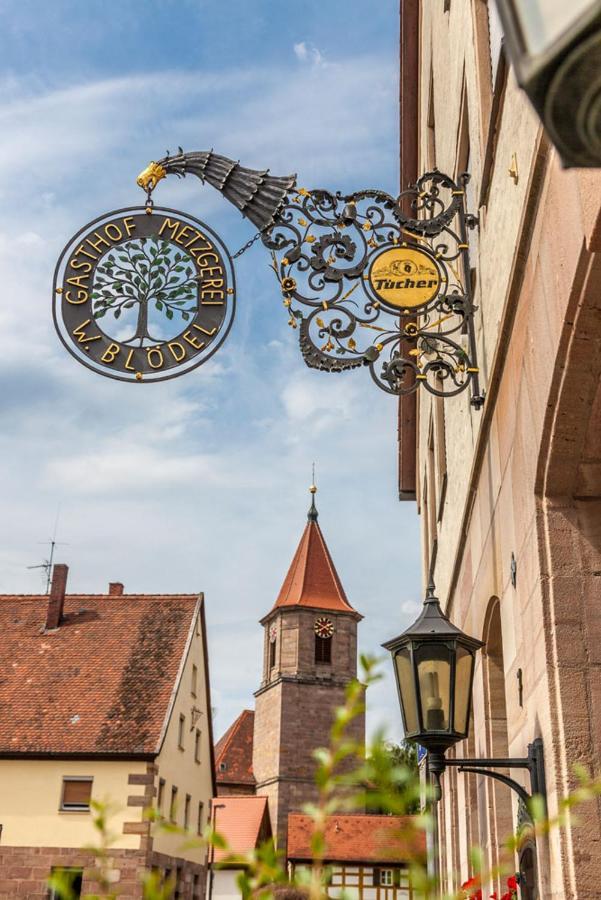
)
(312, 514)
(431, 591)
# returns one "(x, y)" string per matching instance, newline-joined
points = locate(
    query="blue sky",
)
(200, 483)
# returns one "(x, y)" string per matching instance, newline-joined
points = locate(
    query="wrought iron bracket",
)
(367, 279)
(534, 763)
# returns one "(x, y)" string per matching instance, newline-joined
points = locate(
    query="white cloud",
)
(308, 53)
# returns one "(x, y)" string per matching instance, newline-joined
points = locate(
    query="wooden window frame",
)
(87, 779)
(180, 731)
(161, 795)
(199, 816)
(197, 736)
(173, 805)
(194, 684)
(187, 804)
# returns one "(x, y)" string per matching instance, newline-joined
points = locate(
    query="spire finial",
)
(312, 514)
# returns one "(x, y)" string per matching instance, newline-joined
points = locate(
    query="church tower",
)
(309, 655)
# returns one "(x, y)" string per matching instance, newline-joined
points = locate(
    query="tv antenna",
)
(47, 563)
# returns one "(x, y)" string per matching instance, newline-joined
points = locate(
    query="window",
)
(161, 795)
(180, 732)
(197, 746)
(386, 877)
(323, 650)
(272, 654)
(196, 887)
(194, 686)
(223, 767)
(173, 805)
(187, 811)
(68, 882)
(199, 822)
(76, 794)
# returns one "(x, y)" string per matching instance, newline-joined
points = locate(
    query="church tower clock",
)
(309, 656)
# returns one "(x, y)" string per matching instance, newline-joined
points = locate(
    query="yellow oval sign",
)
(404, 277)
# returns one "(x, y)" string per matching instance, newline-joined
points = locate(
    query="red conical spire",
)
(312, 579)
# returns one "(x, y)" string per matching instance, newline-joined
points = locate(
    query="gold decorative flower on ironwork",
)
(310, 238)
(288, 285)
(366, 226)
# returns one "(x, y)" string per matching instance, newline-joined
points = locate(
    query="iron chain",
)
(247, 245)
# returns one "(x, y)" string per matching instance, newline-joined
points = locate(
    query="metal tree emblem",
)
(146, 275)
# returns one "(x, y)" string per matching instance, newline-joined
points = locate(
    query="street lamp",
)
(555, 49)
(434, 669)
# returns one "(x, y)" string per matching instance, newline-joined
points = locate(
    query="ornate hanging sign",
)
(144, 294)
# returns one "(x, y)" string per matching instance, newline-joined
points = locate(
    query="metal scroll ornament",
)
(367, 285)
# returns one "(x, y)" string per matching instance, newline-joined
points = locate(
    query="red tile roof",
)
(99, 684)
(358, 838)
(243, 822)
(312, 579)
(235, 751)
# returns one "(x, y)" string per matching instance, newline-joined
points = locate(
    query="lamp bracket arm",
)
(534, 763)
(520, 791)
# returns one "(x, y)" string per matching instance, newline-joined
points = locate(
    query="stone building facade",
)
(510, 496)
(106, 698)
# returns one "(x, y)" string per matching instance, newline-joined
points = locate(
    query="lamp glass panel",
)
(544, 21)
(405, 678)
(434, 675)
(463, 683)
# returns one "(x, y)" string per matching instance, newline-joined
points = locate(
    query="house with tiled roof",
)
(103, 698)
(366, 855)
(234, 758)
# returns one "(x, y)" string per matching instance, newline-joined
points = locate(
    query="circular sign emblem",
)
(144, 294)
(404, 277)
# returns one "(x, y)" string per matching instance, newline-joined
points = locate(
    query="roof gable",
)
(101, 683)
(235, 751)
(244, 823)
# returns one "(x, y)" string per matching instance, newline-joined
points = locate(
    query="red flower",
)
(512, 883)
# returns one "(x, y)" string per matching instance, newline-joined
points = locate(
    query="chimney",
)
(56, 600)
(115, 589)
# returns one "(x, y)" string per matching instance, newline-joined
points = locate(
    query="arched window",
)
(323, 650)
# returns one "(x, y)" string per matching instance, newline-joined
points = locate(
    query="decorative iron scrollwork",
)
(367, 285)
(364, 282)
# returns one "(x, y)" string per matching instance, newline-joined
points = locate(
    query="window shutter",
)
(77, 793)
